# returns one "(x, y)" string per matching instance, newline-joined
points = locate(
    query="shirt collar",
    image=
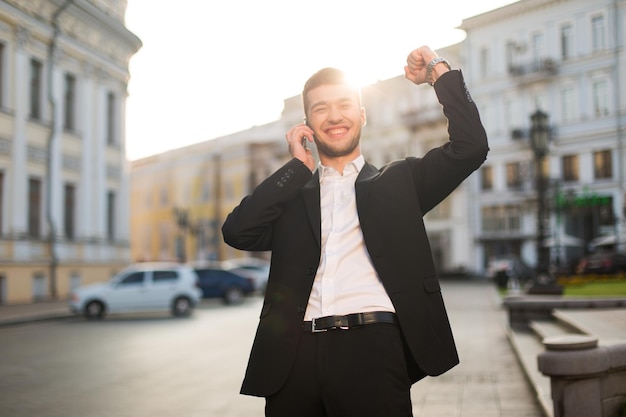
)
(353, 167)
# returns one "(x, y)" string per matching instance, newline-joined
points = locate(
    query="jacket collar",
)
(311, 196)
(362, 187)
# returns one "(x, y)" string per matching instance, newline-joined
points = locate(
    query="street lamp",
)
(539, 138)
(181, 217)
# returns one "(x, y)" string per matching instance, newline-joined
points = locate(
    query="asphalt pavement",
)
(489, 382)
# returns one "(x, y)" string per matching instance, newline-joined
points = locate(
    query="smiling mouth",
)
(337, 131)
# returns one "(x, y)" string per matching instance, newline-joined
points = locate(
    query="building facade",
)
(181, 197)
(565, 58)
(64, 215)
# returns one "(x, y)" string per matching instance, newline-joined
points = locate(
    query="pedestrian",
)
(353, 313)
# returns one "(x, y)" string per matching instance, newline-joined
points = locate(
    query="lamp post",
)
(181, 218)
(539, 137)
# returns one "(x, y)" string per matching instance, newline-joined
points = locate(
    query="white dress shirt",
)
(346, 281)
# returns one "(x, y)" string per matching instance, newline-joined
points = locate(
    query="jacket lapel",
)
(311, 196)
(362, 186)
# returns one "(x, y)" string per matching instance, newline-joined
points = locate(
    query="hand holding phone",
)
(297, 138)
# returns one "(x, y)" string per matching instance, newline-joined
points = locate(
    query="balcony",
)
(425, 117)
(534, 70)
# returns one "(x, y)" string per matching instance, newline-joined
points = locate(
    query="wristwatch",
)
(431, 65)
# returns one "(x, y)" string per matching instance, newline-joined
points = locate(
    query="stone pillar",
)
(576, 366)
(17, 176)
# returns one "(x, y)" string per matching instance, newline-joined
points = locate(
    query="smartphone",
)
(304, 139)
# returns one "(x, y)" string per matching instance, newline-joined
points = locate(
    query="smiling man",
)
(353, 313)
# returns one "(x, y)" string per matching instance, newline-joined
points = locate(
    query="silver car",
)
(142, 287)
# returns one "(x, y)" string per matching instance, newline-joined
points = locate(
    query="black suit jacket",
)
(282, 215)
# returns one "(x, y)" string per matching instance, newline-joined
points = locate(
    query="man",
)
(353, 312)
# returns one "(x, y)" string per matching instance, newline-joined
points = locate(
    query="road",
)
(158, 366)
(148, 365)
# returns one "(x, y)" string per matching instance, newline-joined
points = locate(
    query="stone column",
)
(575, 365)
(17, 177)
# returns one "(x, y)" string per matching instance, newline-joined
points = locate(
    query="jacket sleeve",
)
(442, 169)
(249, 225)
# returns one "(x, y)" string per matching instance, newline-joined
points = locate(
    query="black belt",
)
(345, 322)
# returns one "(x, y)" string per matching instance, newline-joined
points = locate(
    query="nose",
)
(334, 115)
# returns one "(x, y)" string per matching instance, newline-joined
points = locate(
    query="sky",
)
(208, 68)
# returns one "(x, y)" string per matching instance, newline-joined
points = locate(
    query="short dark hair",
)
(325, 76)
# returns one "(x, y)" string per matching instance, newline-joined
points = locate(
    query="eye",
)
(346, 105)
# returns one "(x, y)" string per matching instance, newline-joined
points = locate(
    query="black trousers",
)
(359, 372)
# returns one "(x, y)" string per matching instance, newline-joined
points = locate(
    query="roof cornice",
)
(505, 12)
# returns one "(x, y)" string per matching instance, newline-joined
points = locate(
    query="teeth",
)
(336, 131)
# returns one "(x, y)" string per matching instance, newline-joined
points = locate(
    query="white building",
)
(566, 58)
(63, 171)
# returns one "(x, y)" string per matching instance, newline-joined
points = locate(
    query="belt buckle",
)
(313, 329)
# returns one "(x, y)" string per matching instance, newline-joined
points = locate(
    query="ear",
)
(363, 117)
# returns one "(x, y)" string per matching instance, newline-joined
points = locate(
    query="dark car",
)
(220, 282)
(602, 263)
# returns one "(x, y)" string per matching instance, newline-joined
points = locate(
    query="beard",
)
(333, 150)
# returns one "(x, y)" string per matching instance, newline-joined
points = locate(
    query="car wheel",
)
(182, 307)
(94, 310)
(233, 295)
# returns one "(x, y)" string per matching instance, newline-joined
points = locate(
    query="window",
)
(1, 200)
(69, 212)
(513, 175)
(510, 52)
(134, 278)
(600, 98)
(75, 280)
(567, 43)
(164, 276)
(40, 290)
(537, 47)
(164, 197)
(69, 104)
(486, 178)
(3, 289)
(484, 62)
(110, 119)
(206, 192)
(598, 33)
(110, 215)
(570, 167)
(501, 219)
(603, 164)
(568, 104)
(36, 70)
(164, 240)
(2, 74)
(34, 207)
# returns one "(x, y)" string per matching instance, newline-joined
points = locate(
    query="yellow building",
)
(63, 171)
(180, 198)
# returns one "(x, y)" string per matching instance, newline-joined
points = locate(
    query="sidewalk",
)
(41, 310)
(489, 382)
